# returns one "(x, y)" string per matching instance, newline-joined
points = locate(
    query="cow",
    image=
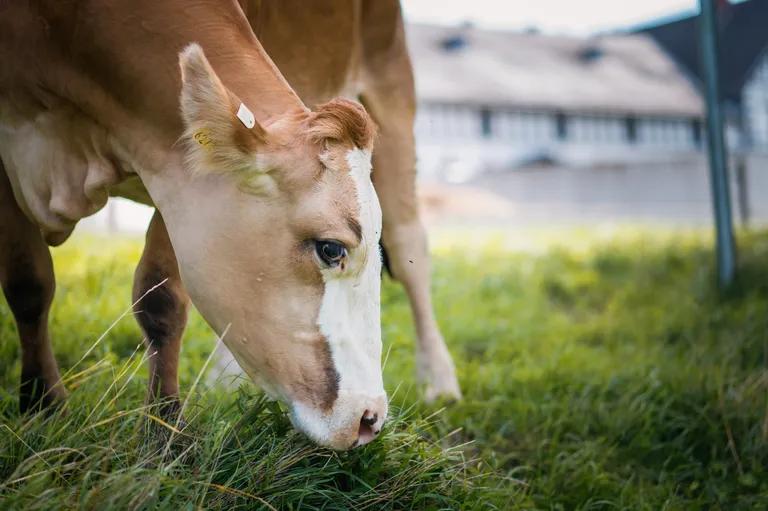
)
(267, 217)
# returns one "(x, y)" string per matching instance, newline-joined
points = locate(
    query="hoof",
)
(168, 410)
(437, 372)
(444, 391)
(35, 396)
(165, 423)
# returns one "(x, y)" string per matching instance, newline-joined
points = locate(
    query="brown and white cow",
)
(266, 215)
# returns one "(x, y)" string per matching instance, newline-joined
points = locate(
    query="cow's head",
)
(280, 249)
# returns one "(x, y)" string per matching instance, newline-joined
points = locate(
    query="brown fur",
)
(344, 122)
(162, 312)
(26, 276)
(320, 387)
(127, 81)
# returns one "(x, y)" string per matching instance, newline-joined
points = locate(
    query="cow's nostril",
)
(369, 419)
(366, 433)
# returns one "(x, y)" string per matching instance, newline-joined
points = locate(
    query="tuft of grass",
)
(599, 372)
(240, 452)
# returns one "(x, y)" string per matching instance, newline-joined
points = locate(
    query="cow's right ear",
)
(222, 134)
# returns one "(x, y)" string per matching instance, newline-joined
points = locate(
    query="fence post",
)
(726, 250)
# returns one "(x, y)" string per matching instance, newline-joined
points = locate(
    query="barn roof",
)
(743, 39)
(621, 74)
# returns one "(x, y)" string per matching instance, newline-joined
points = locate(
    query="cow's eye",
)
(331, 252)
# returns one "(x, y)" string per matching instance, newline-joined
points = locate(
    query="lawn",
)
(599, 372)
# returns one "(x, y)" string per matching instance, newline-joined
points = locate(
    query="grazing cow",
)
(266, 214)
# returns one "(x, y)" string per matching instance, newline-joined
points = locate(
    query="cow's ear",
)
(221, 133)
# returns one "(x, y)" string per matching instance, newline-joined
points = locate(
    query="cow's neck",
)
(95, 115)
(252, 76)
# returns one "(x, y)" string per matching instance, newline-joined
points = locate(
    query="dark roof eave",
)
(743, 40)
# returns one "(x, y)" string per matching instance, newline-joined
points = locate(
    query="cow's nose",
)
(370, 426)
(368, 419)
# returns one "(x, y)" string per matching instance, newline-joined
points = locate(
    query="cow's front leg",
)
(389, 96)
(26, 275)
(162, 313)
(406, 247)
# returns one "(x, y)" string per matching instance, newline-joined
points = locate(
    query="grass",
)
(599, 373)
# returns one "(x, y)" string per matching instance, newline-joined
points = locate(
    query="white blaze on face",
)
(349, 318)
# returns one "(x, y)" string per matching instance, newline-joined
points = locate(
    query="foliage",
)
(597, 375)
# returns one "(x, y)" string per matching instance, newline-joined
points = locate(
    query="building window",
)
(631, 125)
(485, 122)
(522, 127)
(448, 122)
(665, 132)
(696, 132)
(562, 126)
(597, 129)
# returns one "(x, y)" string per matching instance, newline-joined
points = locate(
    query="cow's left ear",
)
(222, 134)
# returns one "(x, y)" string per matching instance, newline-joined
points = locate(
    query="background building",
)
(492, 100)
(609, 126)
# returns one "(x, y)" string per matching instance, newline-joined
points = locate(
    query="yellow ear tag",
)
(202, 138)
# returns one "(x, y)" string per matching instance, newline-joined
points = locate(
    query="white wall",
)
(452, 146)
(755, 101)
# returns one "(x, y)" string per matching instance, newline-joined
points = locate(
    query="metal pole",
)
(726, 251)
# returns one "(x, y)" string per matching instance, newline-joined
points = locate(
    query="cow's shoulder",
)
(382, 32)
(315, 45)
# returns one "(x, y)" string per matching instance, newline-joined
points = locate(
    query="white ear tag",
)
(246, 116)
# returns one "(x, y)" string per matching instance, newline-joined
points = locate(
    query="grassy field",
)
(599, 373)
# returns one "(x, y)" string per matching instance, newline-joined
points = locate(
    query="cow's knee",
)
(29, 296)
(406, 250)
(162, 311)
